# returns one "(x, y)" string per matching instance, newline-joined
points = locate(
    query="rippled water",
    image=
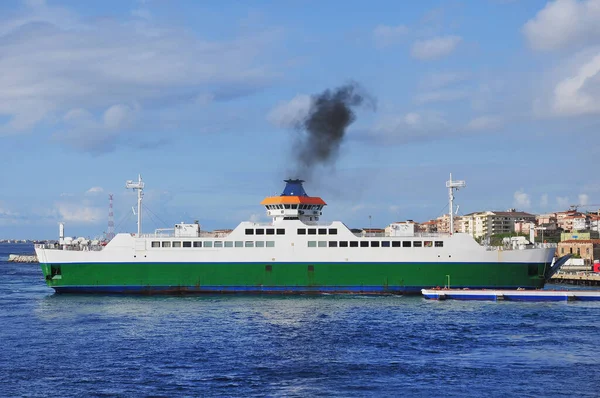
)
(64, 345)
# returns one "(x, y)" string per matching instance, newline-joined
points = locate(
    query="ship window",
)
(374, 243)
(301, 231)
(197, 244)
(270, 243)
(332, 243)
(228, 243)
(312, 243)
(287, 206)
(322, 231)
(343, 243)
(249, 244)
(294, 207)
(270, 231)
(385, 243)
(417, 243)
(260, 231)
(260, 243)
(396, 243)
(176, 244)
(312, 231)
(406, 243)
(155, 244)
(249, 231)
(208, 243)
(218, 243)
(280, 231)
(332, 231)
(322, 243)
(439, 243)
(428, 243)
(353, 243)
(166, 244)
(364, 243)
(239, 243)
(187, 244)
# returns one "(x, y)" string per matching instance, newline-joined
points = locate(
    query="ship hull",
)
(288, 277)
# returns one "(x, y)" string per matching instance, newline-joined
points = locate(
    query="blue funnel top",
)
(294, 188)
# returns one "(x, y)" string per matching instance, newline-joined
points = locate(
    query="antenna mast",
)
(110, 232)
(452, 185)
(139, 185)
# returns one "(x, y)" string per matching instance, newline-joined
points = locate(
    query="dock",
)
(20, 258)
(577, 278)
(511, 295)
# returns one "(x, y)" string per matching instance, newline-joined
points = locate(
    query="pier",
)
(577, 278)
(20, 258)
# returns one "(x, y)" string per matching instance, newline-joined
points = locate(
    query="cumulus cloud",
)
(385, 36)
(435, 48)
(584, 199)
(564, 23)
(562, 202)
(521, 199)
(441, 96)
(411, 127)
(78, 213)
(94, 191)
(579, 93)
(485, 122)
(289, 114)
(53, 61)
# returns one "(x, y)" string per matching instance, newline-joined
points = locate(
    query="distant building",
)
(587, 249)
(443, 223)
(489, 223)
(427, 226)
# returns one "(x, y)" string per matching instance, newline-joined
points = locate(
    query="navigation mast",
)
(139, 185)
(452, 185)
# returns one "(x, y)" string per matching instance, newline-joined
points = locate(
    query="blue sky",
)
(201, 99)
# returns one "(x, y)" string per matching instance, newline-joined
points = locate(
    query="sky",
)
(203, 100)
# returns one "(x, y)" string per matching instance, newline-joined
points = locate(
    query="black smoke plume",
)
(324, 127)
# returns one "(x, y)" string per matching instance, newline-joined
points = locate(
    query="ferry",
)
(296, 252)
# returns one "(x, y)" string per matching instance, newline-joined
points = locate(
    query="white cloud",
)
(584, 199)
(411, 127)
(544, 200)
(78, 213)
(484, 123)
(442, 79)
(94, 191)
(435, 48)
(441, 96)
(54, 61)
(289, 114)
(579, 93)
(564, 23)
(562, 202)
(522, 200)
(385, 36)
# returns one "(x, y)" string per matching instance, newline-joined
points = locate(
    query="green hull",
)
(363, 278)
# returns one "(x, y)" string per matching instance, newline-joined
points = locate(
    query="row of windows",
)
(263, 231)
(295, 207)
(301, 231)
(313, 231)
(375, 243)
(217, 243)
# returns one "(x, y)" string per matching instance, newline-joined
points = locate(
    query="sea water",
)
(327, 345)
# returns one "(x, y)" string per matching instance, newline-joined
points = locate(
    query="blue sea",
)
(305, 346)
